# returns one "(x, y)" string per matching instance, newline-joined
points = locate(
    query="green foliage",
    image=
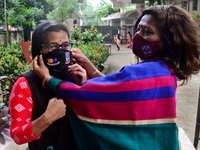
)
(2, 13)
(89, 35)
(197, 16)
(104, 10)
(6, 85)
(97, 53)
(12, 65)
(150, 3)
(133, 7)
(4, 128)
(19, 12)
(87, 9)
(90, 43)
(12, 61)
(32, 12)
(63, 9)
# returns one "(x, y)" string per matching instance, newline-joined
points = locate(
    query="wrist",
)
(47, 119)
(85, 63)
(45, 81)
(93, 73)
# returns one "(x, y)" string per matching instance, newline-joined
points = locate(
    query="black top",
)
(58, 134)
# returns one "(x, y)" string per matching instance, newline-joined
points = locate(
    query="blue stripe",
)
(148, 94)
(135, 72)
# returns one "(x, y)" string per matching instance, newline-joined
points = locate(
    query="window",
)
(116, 23)
(75, 21)
(129, 21)
(195, 4)
(184, 5)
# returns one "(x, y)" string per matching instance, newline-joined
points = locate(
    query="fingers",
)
(35, 65)
(78, 73)
(58, 105)
(78, 56)
(41, 61)
(40, 69)
(58, 99)
(76, 70)
(75, 50)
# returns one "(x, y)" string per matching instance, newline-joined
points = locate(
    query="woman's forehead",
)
(147, 20)
(57, 36)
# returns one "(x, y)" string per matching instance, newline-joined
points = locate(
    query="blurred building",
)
(75, 20)
(193, 6)
(125, 21)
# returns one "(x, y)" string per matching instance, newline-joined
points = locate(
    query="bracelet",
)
(45, 80)
(94, 72)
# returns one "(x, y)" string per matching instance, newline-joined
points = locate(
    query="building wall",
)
(15, 36)
(188, 5)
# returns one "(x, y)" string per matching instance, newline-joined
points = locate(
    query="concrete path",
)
(187, 95)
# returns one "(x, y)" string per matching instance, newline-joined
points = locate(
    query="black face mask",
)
(57, 61)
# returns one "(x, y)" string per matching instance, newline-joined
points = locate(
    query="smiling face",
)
(147, 29)
(55, 37)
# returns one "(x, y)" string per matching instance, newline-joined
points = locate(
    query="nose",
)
(60, 46)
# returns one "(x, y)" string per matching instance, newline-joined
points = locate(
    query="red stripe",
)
(141, 84)
(133, 110)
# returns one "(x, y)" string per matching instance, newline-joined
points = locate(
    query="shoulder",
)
(21, 84)
(20, 89)
(150, 69)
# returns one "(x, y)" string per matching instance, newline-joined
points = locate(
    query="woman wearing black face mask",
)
(136, 107)
(38, 115)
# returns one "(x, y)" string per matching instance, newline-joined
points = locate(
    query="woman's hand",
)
(55, 110)
(79, 57)
(40, 70)
(78, 73)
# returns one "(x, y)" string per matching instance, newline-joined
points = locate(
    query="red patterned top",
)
(21, 106)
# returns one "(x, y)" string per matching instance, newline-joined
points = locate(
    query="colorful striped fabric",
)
(134, 109)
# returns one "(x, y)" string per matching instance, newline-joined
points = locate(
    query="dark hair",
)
(118, 36)
(53, 28)
(130, 34)
(180, 35)
(41, 32)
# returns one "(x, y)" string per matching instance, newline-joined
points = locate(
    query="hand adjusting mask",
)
(57, 61)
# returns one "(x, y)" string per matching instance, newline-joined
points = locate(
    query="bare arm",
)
(81, 59)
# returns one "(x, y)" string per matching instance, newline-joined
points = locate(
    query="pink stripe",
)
(132, 85)
(134, 110)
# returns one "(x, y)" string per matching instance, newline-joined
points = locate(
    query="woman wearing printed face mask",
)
(136, 107)
(38, 115)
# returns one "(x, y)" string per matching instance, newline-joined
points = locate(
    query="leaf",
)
(6, 132)
(2, 139)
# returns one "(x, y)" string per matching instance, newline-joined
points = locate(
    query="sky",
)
(96, 2)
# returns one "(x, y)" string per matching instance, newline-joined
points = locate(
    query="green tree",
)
(86, 8)
(32, 11)
(197, 18)
(63, 9)
(20, 13)
(104, 10)
(2, 16)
